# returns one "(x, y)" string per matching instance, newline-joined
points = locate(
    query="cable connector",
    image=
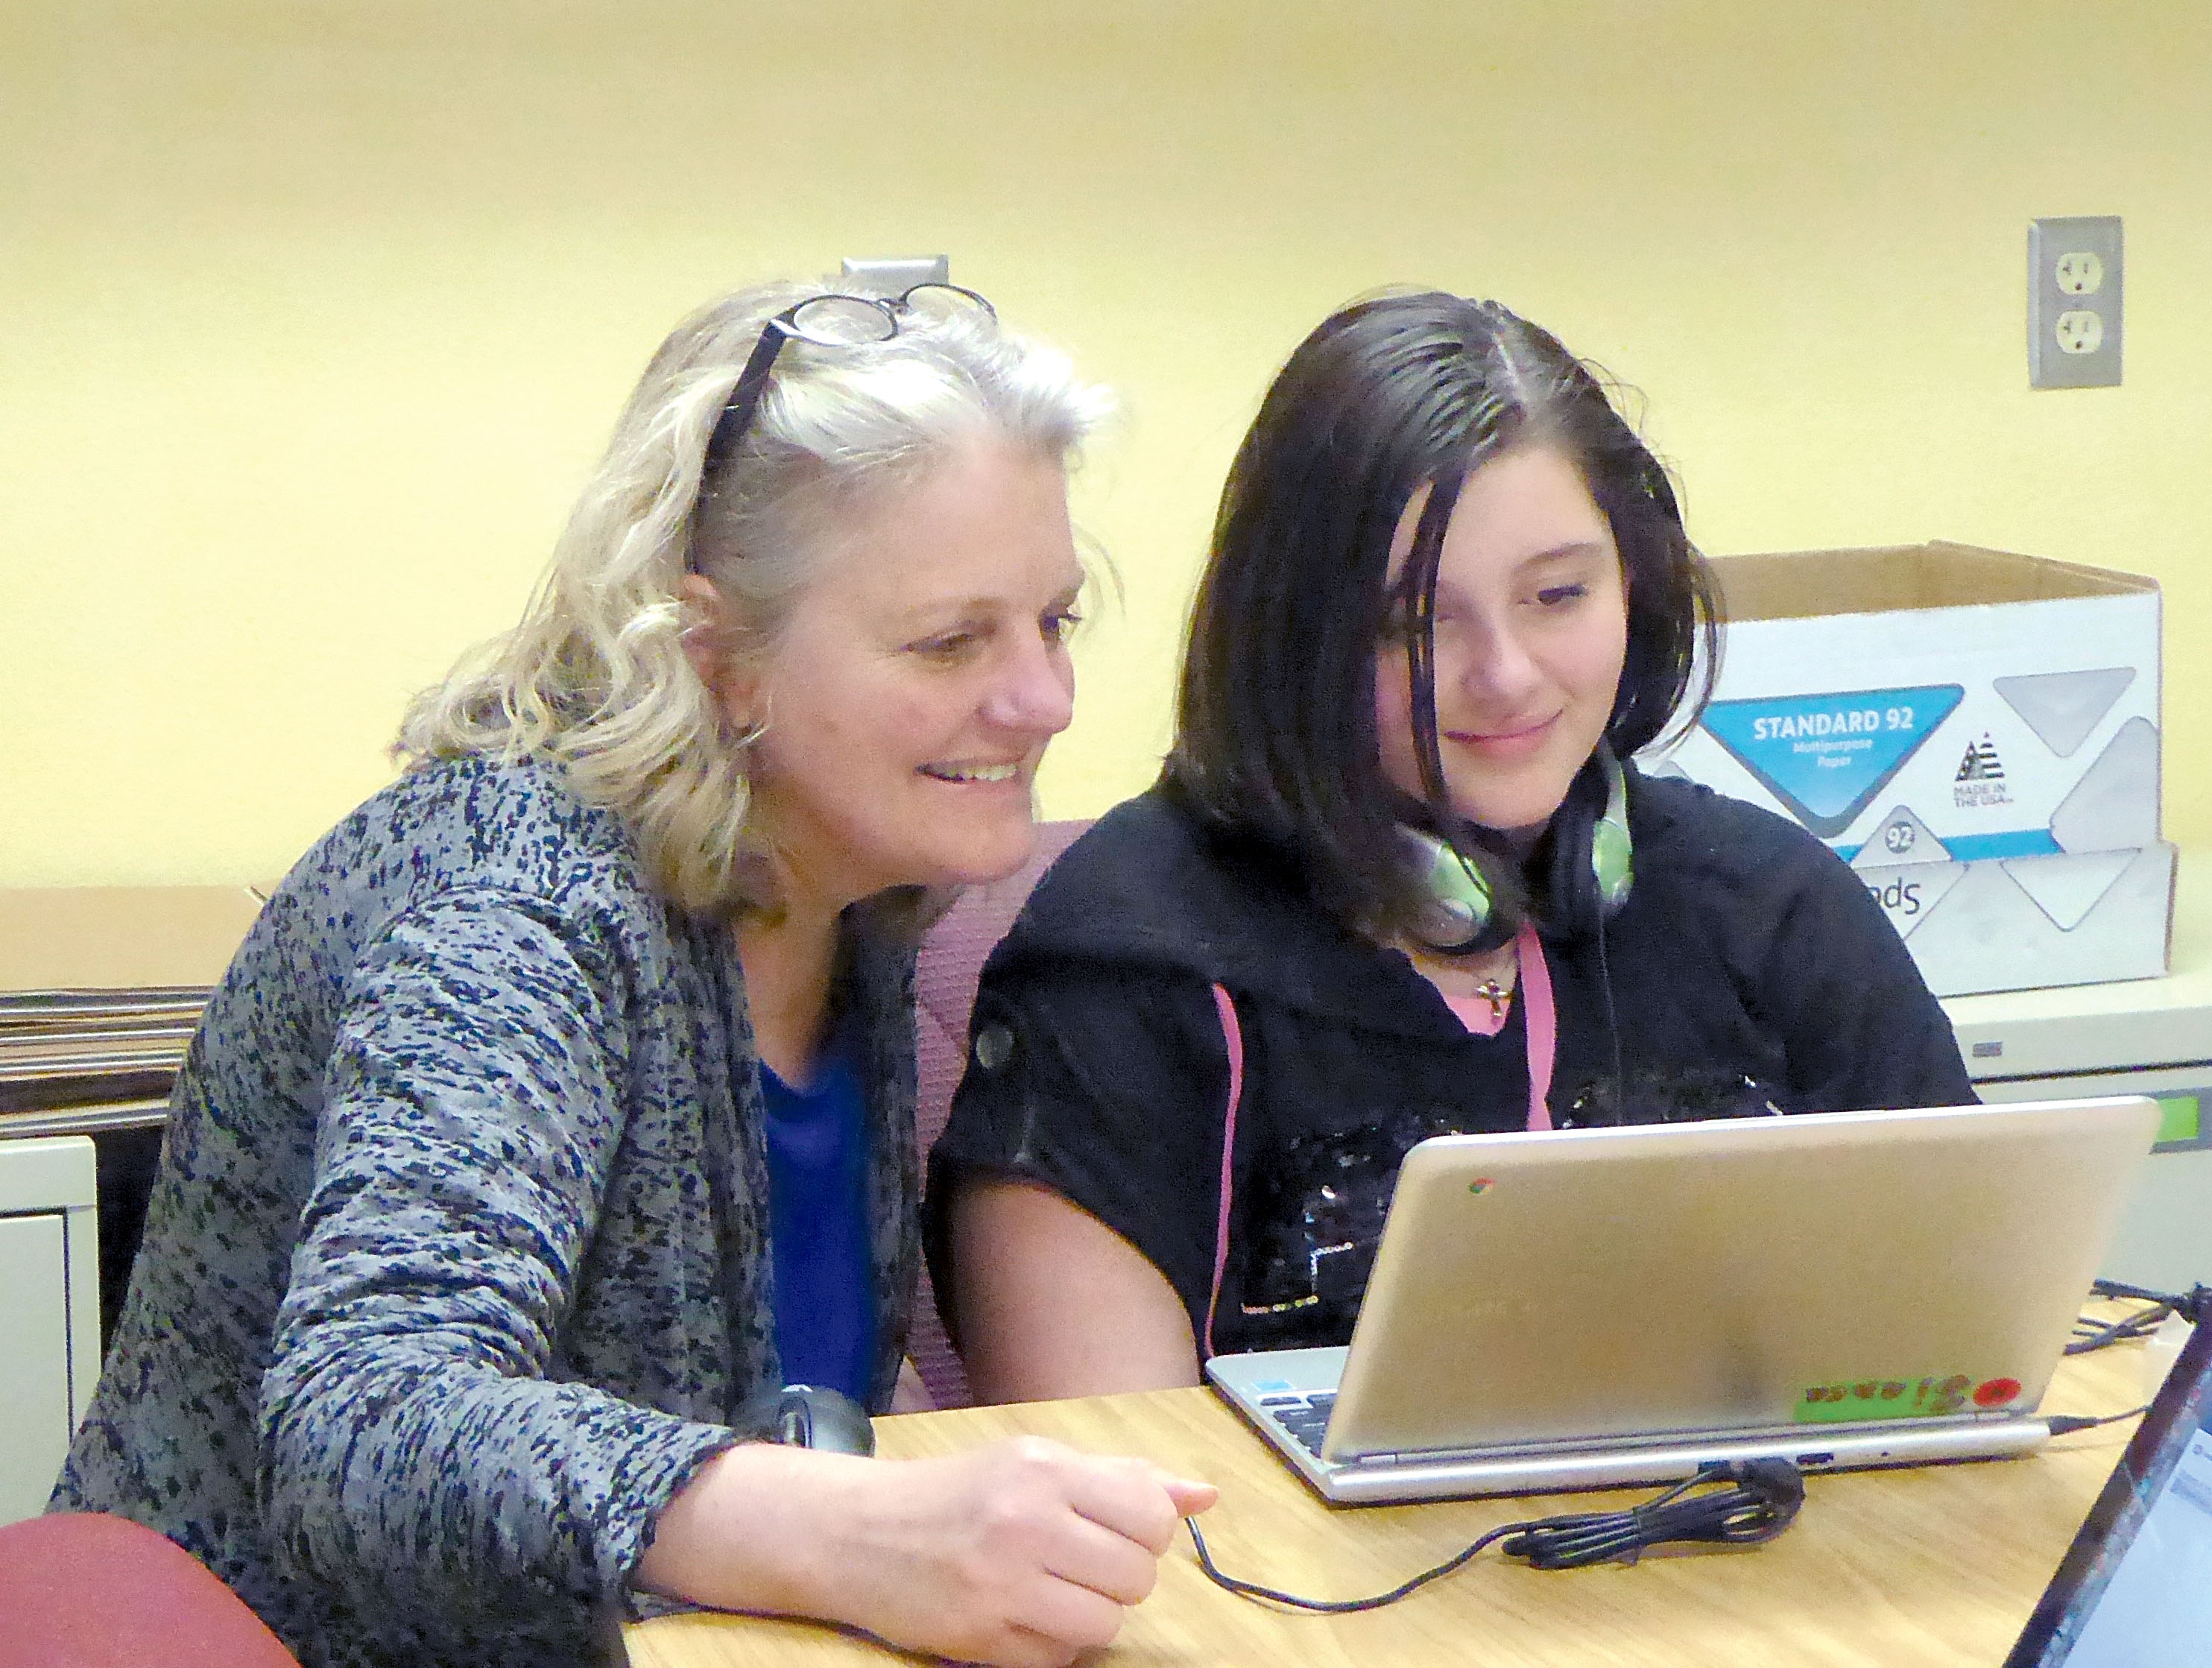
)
(2065, 1424)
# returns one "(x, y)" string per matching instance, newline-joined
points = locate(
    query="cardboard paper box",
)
(121, 938)
(101, 988)
(1976, 732)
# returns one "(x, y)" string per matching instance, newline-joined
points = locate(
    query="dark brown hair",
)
(1275, 723)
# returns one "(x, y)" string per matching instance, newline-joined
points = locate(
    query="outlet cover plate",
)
(2074, 301)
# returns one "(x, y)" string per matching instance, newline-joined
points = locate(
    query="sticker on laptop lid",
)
(1857, 1399)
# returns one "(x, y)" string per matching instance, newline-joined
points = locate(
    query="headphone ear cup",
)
(1459, 895)
(1593, 860)
(1613, 854)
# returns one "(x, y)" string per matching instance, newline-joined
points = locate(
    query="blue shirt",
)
(825, 1323)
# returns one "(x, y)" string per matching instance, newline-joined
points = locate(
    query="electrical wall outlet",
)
(894, 275)
(2073, 302)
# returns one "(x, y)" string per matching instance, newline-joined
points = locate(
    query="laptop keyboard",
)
(1305, 1418)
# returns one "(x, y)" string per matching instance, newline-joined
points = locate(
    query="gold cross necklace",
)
(1496, 980)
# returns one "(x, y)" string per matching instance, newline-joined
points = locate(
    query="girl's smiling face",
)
(1531, 635)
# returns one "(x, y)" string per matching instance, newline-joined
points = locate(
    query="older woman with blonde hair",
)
(560, 1103)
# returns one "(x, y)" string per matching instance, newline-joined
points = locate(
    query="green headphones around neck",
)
(1462, 893)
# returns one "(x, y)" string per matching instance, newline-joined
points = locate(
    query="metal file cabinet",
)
(2139, 1036)
(49, 1312)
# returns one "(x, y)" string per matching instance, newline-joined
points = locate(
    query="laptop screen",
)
(2135, 1590)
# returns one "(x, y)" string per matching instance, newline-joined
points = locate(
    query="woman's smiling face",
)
(1531, 635)
(908, 697)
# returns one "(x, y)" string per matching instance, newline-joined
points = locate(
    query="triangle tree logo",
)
(1981, 762)
(1825, 757)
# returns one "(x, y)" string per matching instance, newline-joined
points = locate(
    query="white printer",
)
(2149, 1037)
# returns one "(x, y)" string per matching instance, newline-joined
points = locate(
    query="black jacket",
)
(1747, 971)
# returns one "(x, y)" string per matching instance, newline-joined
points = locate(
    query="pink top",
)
(1477, 1014)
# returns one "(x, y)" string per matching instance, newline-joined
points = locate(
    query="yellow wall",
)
(314, 313)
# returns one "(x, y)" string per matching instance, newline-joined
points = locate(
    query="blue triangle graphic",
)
(1825, 756)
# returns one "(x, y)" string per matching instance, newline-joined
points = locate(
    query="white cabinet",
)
(2149, 1037)
(49, 1312)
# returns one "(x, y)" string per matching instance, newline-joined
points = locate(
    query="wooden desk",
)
(1936, 1566)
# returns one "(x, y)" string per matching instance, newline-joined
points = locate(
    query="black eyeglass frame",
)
(735, 416)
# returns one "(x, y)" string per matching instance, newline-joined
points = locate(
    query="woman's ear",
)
(705, 641)
(704, 628)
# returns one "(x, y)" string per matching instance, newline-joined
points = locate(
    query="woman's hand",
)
(1023, 1553)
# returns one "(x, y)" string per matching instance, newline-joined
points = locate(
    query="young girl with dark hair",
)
(1400, 877)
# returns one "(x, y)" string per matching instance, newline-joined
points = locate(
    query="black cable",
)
(1738, 1504)
(1762, 1500)
(2193, 1305)
(1612, 1021)
(1334, 1606)
(2089, 1333)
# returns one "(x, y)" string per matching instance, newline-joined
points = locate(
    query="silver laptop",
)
(1593, 1308)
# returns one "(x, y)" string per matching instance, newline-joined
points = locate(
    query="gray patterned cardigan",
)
(456, 1265)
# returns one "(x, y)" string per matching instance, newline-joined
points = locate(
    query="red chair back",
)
(944, 977)
(84, 1590)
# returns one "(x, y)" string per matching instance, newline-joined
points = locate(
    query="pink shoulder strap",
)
(1541, 1019)
(1232, 1038)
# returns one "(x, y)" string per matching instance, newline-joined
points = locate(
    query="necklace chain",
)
(1493, 983)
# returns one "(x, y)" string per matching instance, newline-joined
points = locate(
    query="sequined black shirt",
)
(1748, 971)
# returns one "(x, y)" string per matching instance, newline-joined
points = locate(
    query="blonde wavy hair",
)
(595, 677)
